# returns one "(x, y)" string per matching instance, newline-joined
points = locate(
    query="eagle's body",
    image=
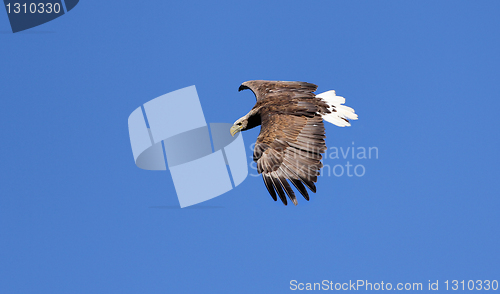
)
(292, 135)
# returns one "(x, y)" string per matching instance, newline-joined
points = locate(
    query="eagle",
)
(291, 142)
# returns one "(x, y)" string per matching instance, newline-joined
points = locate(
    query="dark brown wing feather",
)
(292, 137)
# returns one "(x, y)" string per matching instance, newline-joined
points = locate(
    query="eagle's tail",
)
(339, 114)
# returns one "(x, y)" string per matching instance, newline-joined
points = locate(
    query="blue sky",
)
(77, 215)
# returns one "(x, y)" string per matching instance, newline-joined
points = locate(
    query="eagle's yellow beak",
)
(235, 129)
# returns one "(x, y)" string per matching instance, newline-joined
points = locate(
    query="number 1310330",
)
(34, 8)
(471, 285)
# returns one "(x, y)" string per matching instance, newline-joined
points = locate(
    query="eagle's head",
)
(249, 121)
(239, 125)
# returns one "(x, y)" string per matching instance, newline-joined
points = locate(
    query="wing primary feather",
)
(294, 178)
(278, 188)
(269, 185)
(287, 188)
(312, 187)
(298, 184)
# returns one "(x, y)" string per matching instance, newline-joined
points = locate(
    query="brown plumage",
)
(292, 135)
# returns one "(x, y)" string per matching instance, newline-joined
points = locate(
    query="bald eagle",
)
(292, 135)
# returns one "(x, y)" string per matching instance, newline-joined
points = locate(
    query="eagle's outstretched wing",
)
(290, 152)
(291, 140)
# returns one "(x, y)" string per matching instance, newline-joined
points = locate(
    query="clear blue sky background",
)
(77, 215)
